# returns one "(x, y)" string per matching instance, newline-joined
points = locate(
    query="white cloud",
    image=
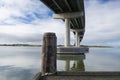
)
(30, 31)
(30, 18)
(12, 9)
(102, 22)
(15, 13)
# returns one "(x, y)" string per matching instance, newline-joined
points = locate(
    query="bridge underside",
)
(72, 12)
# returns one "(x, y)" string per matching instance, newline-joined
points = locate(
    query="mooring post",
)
(49, 54)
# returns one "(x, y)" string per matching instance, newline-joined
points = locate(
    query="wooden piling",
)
(49, 54)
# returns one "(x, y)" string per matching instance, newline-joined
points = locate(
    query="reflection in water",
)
(98, 59)
(77, 59)
(78, 66)
(15, 73)
(19, 63)
(22, 63)
(103, 59)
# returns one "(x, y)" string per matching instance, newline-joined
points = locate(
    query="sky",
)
(25, 21)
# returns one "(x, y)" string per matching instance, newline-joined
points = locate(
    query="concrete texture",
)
(84, 76)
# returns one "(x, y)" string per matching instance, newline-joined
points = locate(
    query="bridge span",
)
(73, 13)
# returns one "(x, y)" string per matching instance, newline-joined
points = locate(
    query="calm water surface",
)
(22, 63)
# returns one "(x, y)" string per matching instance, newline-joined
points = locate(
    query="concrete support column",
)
(77, 39)
(67, 33)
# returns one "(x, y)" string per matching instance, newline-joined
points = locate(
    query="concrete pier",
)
(72, 50)
(67, 33)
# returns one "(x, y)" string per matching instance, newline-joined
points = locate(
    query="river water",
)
(22, 63)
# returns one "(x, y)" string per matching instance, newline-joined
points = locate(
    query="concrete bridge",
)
(72, 12)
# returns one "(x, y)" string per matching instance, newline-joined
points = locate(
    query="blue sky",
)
(25, 21)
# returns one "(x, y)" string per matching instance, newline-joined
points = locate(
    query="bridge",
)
(73, 13)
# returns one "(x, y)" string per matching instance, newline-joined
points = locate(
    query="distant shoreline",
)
(93, 46)
(35, 45)
(28, 45)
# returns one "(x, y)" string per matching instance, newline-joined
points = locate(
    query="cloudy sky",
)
(25, 21)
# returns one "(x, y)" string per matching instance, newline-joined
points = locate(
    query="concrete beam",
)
(68, 15)
(72, 50)
(77, 30)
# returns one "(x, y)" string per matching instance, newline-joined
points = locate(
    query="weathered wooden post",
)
(49, 54)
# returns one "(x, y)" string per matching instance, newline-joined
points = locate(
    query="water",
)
(19, 63)
(22, 63)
